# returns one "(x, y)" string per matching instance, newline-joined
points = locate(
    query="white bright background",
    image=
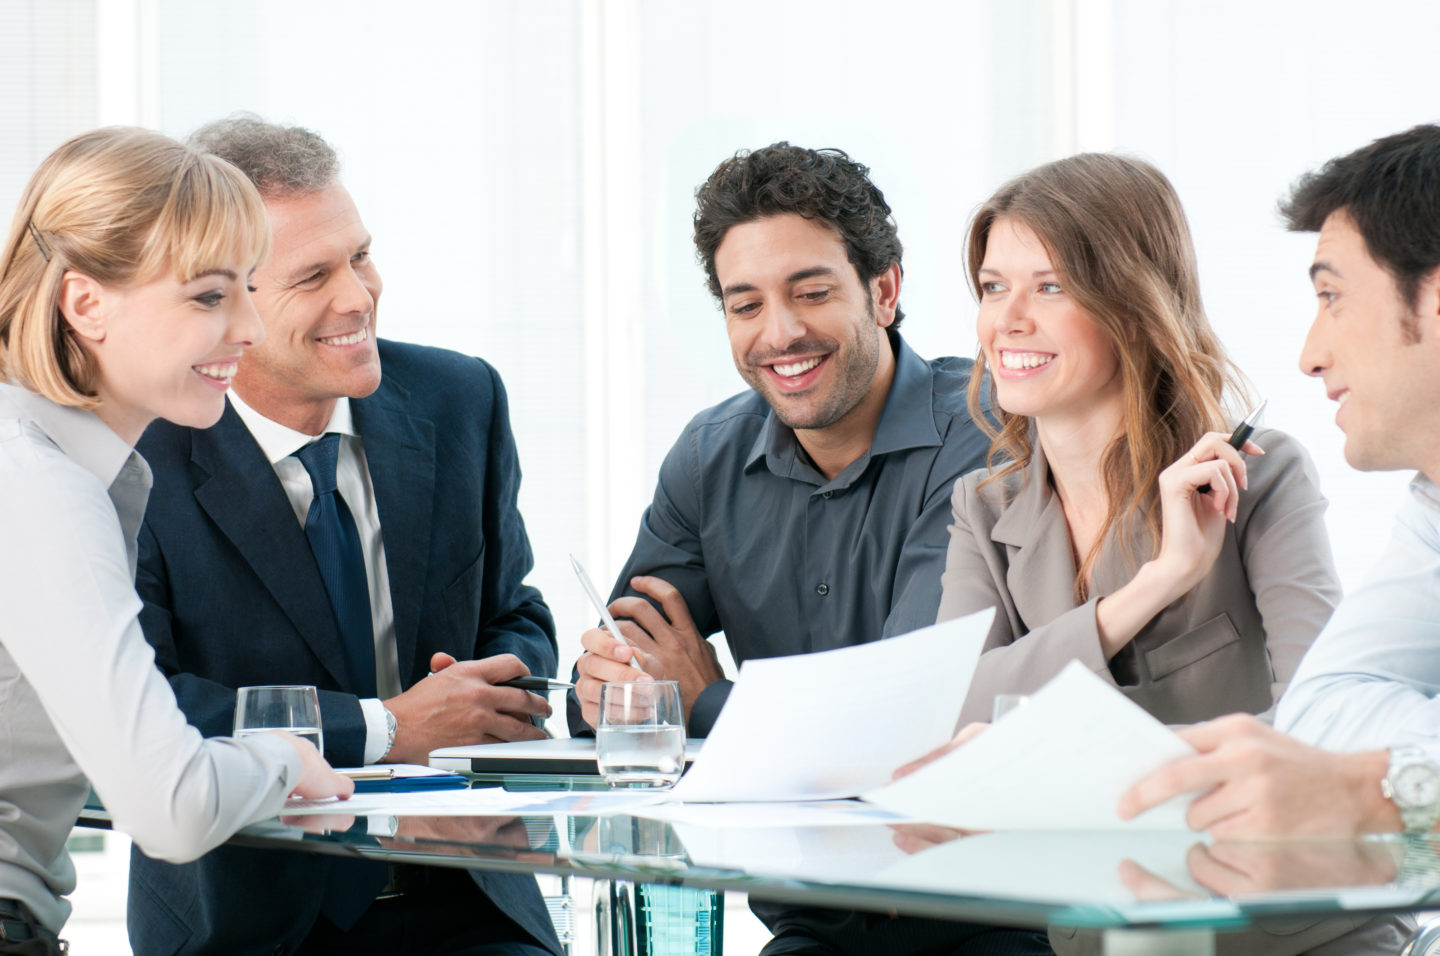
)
(527, 168)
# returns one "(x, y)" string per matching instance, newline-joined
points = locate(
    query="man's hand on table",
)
(459, 704)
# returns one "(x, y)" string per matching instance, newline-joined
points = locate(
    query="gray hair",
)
(281, 161)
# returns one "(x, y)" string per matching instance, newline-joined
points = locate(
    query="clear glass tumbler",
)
(640, 738)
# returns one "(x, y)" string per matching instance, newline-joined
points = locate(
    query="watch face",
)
(1417, 785)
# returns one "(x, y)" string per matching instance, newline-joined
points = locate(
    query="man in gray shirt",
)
(811, 512)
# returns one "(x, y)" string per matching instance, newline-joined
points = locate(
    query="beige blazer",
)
(1231, 644)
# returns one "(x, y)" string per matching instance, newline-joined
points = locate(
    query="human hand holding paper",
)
(1260, 783)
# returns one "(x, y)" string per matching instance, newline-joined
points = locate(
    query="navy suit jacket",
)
(233, 597)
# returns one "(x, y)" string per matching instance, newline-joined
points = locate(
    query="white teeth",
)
(223, 371)
(1343, 397)
(796, 368)
(354, 338)
(1024, 360)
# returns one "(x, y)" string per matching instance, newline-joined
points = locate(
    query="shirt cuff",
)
(377, 738)
(706, 709)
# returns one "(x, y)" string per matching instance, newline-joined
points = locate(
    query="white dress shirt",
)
(80, 695)
(352, 478)
(1372, 678)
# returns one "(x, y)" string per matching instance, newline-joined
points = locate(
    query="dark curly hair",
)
(822, 184)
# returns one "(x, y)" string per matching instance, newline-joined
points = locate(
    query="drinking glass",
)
(640, 737)
(290, 707)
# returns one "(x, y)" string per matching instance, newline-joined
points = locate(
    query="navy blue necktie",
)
(336, 544)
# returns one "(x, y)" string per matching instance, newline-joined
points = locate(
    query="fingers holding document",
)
(1259, 783)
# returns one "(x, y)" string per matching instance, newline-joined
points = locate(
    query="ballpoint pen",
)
(594, 597)
(537, 684)
(1239, 437)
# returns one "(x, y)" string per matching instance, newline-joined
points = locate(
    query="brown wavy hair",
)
(1118, 238)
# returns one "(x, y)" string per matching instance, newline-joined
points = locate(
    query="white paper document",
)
(837, 723)
(1061, 762)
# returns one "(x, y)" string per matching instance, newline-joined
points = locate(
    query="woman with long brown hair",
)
(1116, 525)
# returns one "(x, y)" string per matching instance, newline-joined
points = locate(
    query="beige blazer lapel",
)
(1041, 571)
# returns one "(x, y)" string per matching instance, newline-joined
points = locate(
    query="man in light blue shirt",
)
(1367, 690)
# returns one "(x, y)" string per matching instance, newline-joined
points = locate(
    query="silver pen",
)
(610, 624)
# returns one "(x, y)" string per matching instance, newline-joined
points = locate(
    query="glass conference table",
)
(1158, 892)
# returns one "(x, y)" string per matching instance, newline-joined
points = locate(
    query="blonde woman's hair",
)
(1118, 238)
(118, 205)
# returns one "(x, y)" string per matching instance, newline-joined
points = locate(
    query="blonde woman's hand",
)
(317, 779)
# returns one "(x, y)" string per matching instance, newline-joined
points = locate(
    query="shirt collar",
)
(78, 432)
(279, 442)
(907, 420)
(1425, 491)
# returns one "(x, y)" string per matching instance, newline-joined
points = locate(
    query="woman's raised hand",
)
(1193, 518)
(1199, 493)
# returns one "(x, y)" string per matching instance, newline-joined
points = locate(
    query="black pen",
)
(1239, 437)
(536, 684)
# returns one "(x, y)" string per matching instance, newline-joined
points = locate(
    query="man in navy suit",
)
(426, 468)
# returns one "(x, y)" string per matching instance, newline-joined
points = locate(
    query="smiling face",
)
(1385, 380)
(317, 296)
(1049, 360)
(804, 331)
(165, 348)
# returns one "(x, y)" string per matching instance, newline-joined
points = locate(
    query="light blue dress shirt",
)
(1372, 678)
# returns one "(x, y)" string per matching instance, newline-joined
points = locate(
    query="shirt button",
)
(827, 494)
(822, 589)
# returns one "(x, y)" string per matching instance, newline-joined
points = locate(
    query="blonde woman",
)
(123, 297)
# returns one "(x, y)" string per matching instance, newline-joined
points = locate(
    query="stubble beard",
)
(852, 376)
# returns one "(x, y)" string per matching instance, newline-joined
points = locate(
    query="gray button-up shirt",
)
(783, 561)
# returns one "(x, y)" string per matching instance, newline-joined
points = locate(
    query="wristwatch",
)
(391, 725)
(1413, 784)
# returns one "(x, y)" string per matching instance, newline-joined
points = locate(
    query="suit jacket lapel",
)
(400, 454)
(240, 492)
(1041, 574)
